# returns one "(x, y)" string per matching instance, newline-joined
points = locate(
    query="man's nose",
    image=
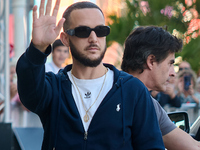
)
(172, 71)
(92, 37)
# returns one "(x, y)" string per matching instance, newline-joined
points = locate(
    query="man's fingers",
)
(48, 7)
(41, 9)
(56, 7)
(59, 26)
(34, 13)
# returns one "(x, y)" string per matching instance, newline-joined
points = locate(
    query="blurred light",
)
(178, 60)
(176, 68)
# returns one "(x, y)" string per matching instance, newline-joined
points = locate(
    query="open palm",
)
(45, 30)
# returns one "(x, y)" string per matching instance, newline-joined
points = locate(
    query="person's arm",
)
(146, 133)
(32, 87)
(178, 139)
(30, 66)
(195, 98)
(165, 124)
(191, 92)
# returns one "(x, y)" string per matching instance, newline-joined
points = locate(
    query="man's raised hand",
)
(45, 30)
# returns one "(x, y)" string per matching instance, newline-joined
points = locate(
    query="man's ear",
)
(150, 61)
(64, 37)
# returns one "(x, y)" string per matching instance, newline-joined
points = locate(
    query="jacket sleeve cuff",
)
(35, 56)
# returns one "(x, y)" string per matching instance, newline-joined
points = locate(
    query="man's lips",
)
(93, 47)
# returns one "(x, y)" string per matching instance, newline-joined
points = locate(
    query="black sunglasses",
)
(84, 31)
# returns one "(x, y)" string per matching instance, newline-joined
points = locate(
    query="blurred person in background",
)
(187, 91)
(198, 75)
(59, 54)
(184, 65)
(187, 86)
(16, 108)
(198, 85)
(13, 83)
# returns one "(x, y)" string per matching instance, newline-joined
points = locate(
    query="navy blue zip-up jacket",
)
(133, 127)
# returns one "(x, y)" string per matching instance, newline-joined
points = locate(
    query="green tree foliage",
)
(134, 16)
(191, 53)
(157, 13)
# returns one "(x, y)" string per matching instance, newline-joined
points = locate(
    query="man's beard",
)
(84, 60)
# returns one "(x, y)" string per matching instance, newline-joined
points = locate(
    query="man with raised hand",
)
(88, 105)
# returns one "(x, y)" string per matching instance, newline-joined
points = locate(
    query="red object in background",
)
(11, 51)
(11, 35)
(11, 29)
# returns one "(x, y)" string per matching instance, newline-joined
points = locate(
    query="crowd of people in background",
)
(186, 85)
(182, 88)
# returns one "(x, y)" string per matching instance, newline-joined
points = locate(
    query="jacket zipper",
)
(85, 135)
(85, 139)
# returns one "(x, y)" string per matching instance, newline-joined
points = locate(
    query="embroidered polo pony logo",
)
(118, 107)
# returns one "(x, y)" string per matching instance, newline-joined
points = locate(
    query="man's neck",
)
(142, 77)
(83, 72)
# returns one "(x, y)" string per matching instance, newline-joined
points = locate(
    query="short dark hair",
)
(57, 43)
(77, 5)
(144, 41)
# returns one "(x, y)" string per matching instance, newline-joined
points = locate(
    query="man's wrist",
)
(40, 48)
